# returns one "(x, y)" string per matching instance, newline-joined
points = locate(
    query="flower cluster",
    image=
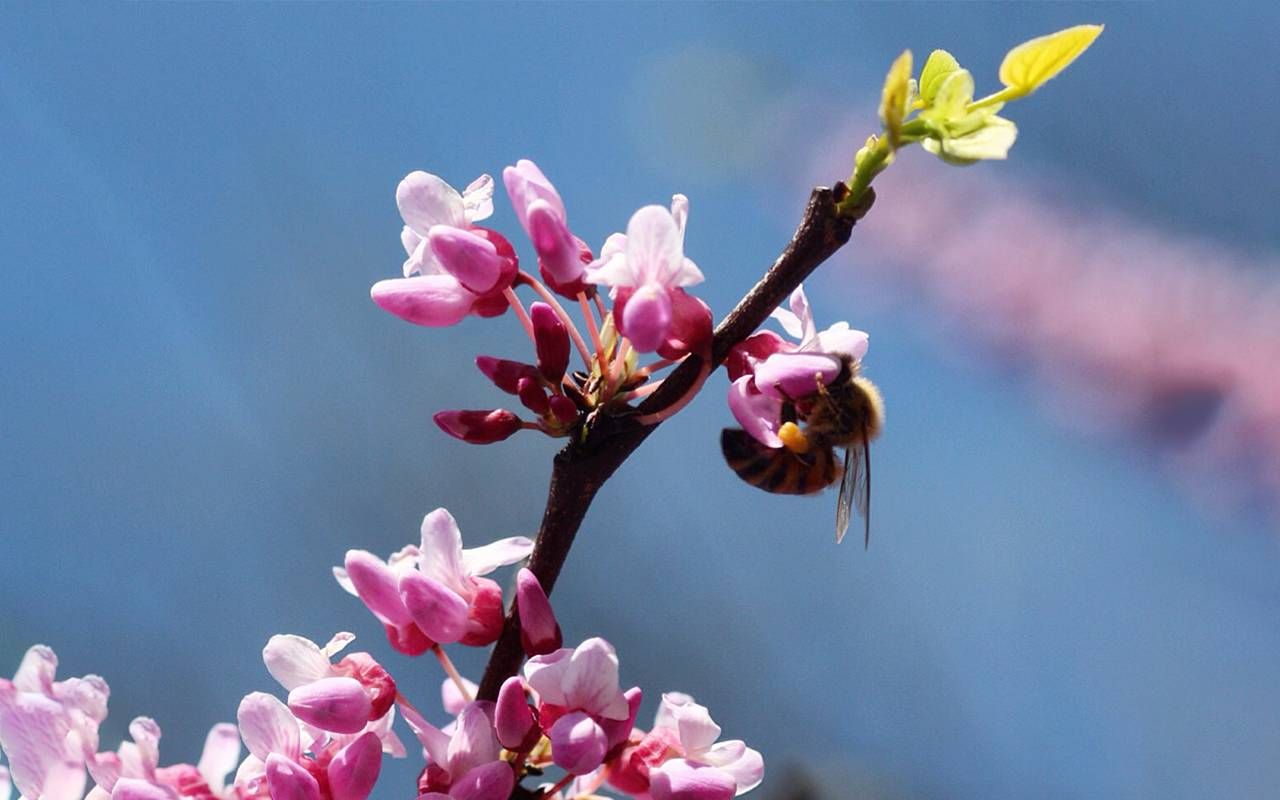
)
(456, 269)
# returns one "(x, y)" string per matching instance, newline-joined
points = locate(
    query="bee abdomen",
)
(779, 471)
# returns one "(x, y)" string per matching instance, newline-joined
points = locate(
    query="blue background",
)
(200, 410)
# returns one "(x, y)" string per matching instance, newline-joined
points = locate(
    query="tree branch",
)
(583, 466)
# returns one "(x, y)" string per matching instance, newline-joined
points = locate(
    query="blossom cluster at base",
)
(326, 739)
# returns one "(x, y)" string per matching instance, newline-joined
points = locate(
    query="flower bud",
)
(551, 341)
(539, 631)
(338, 705)
(578, 744)
(559, 255)
(505, 374)
(478, 426)
(563, 409)
(512, 717)
(355, 768)
(289, 781)
(470, 258)
(533, 396)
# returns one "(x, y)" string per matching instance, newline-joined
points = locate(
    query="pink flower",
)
(339, 698)
(454, 268)
(648, 271)
(766, 369)
(702, 767)
(466, 763)
(561, 255)
(539, 631)
(580, 707)
(434, 593)
(49, 729)
(133, 771)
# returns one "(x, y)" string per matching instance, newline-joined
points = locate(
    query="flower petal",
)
(477, 199)
(451, 696)
(433, 740)
(220, 754)
(138, 789)
(654, 249)
(36, 671)
(441, 552)
(467, 256)
(146, 737)
(525, 185)
(425, 200)
(376, 584)
(354, 770)
(544, 675)
(697, 730)
(512, 718)
(591, 680)
(33, 734)
(485, 559)
(267, 726)
(747, 770)
(294, 660)
(492, 781)
(840, 338)
(759, 414)
(795, 375)
(679, 779)
(289, 781)
(474, 741)
(578, 743)
(646, 317)
(337, 704)
(438, 610)
(431, 300)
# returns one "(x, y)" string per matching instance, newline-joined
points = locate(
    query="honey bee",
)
(848, 413)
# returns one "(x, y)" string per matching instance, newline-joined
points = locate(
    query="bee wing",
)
(855, 489)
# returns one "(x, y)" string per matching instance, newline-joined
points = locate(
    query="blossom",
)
(561, 255)
(339, 698)
(434, 593)
(647, 270)
(454, 267)
(766, 369)
(466, 763)
(580, 707)
(133, 771)
(48, 728)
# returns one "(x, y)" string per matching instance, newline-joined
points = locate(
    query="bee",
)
(848, 413)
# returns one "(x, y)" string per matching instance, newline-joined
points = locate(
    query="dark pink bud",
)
(513, 719)
(752, 350)
(377, 682)
(338, 705)
(505, 374)
(563, 409)
(478, 426)
(533, 396)
(539, 631)
(557, 248)
(484, 615)
(551, 341)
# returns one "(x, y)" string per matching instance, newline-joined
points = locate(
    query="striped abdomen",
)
(779, 471)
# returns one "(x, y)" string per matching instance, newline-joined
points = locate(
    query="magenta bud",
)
(513, 719)
(478, 426)
(563, 409)
(533, 396)
(505, 374)
(539, 631)
(287, 780)
(551, 341)
(355, 768)
(470, 258)
(558, 252)
(337, 705)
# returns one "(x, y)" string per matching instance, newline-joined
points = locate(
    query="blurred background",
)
(1073, 582)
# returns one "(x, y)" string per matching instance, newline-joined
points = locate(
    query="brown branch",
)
(582, 467)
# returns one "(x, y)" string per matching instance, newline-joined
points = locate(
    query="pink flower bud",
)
(431, 300)
(646, 317)
(539, 631)
(533, 396)
(289, 781)
(355, 768)
(505, 374)
(438, 610)
(551, 341)
(338, 705)
(484, 615)
(375, 679)
(512, 717)
(478, 426)
(470, 258)
(578, 744)
(678, 779)
(563, 409)
(559, 255)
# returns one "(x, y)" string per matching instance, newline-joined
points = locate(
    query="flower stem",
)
(521, 314)
(452, 672)
(592, 328)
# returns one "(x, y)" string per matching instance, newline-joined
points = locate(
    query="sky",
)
(201, 410)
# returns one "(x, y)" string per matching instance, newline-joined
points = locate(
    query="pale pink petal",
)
(438, 610)
(441, 552)
(646, 317)
(294, 660)
(619, 730)
(679, 779)
(467, 256)
(474, 741)
(666, 716)
(477, 198)
(492, 781)
(758, 414)
(221, 752)
(33, 734)
(96, 793)
(105, 769)
(526, 184)
(355, 768)
(146, 737)
(5, 785)
(431, 300)
(795, 375)
(377, 584)
(337, 704)
(578, 743)
(485, 559)
(558, 250)
(747, 771)
(411, 240)
(267, 726)
(720, 753)
(453, 699)
(544, 673)
(591, 680)
(680, 212)
(337, 643)
(654, 250)
(36, 671)
(611, 269)
(433, 740)
(289, 781)
(840, 338)
(138, 789)
(614, 245)
(697, 730)
(685, 274)
(251, 777)
(425, 200)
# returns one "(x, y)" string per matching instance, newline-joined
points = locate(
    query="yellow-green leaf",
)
(990, 142)
(893, 101)
(1029, 65)
(936, 69)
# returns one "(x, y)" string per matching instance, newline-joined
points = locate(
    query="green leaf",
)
(893, 100)
(990, 142)
(936, 69)
(953, 95)
(1029, 65)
